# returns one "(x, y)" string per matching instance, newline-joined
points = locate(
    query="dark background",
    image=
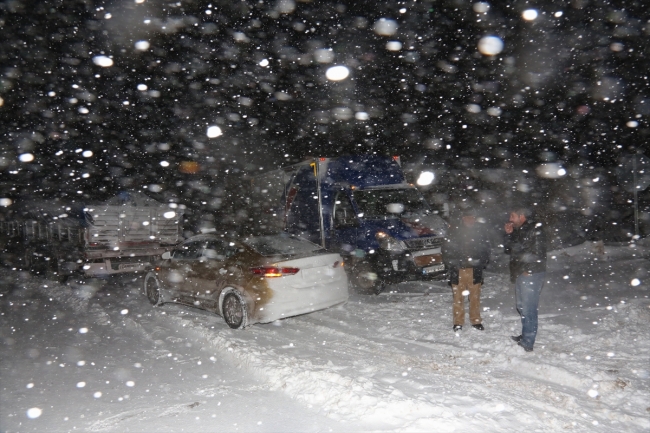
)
(565, 88)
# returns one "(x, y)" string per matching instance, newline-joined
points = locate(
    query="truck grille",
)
(422, 243)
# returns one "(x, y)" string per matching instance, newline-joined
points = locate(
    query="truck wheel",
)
(234, 310)
(152, 289)
(28, 261)
(364, 278)
(53, 271)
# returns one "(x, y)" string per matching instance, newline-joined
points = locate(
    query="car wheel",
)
(54, 272)
(365, 279)
(234, 310)
(28, 261)
(152, 289)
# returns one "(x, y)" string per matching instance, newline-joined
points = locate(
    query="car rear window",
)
(285, 245)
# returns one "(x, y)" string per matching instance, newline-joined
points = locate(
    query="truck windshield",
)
(388, 203)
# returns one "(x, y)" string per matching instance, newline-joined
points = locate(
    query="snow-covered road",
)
(97, 357)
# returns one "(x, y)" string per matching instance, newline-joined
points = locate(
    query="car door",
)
(214, 271)
(345, 224)
(179, 274)
(211, 271)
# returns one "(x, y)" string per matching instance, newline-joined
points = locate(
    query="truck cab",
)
(391, 228)
(362, 207)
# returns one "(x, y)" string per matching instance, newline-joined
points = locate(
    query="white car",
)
(255, 280)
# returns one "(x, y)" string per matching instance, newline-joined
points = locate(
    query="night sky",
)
(101, 96)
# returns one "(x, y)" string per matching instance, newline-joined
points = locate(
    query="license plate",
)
(432, 269)
(125, 267)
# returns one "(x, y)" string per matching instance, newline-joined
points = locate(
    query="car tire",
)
(233, 308)
(51, 270)
(28, 261)
(363, 278)
(152, 289)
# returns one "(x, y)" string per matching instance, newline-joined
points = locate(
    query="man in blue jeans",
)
(526, 243)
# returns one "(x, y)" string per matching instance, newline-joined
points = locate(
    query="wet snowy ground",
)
(97, 357)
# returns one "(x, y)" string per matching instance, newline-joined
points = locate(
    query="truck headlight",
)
(389, 243)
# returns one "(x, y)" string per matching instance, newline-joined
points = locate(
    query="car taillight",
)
(272, 271)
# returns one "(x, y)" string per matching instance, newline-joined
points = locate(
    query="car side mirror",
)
(166, 255)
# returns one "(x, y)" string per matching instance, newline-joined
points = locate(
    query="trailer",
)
(360, 206)
(124, 234)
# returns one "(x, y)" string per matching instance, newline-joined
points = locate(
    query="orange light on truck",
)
(189, 167)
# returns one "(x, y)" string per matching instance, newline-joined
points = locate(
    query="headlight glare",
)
(389, 243)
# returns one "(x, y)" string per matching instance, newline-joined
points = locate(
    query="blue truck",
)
(360, 206)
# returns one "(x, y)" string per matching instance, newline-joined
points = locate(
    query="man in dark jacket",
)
(466, 252)
(526, 243)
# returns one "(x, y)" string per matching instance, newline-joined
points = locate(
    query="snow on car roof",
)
(281, 244)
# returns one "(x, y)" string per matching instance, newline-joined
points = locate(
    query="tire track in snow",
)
(142, 414)
(440, 367)
(340, 397)
(371, 396)
(376, 394)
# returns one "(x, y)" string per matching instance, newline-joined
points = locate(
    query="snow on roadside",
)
(392, 363)
(63, 371)
(364, 394)
(337, 395)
